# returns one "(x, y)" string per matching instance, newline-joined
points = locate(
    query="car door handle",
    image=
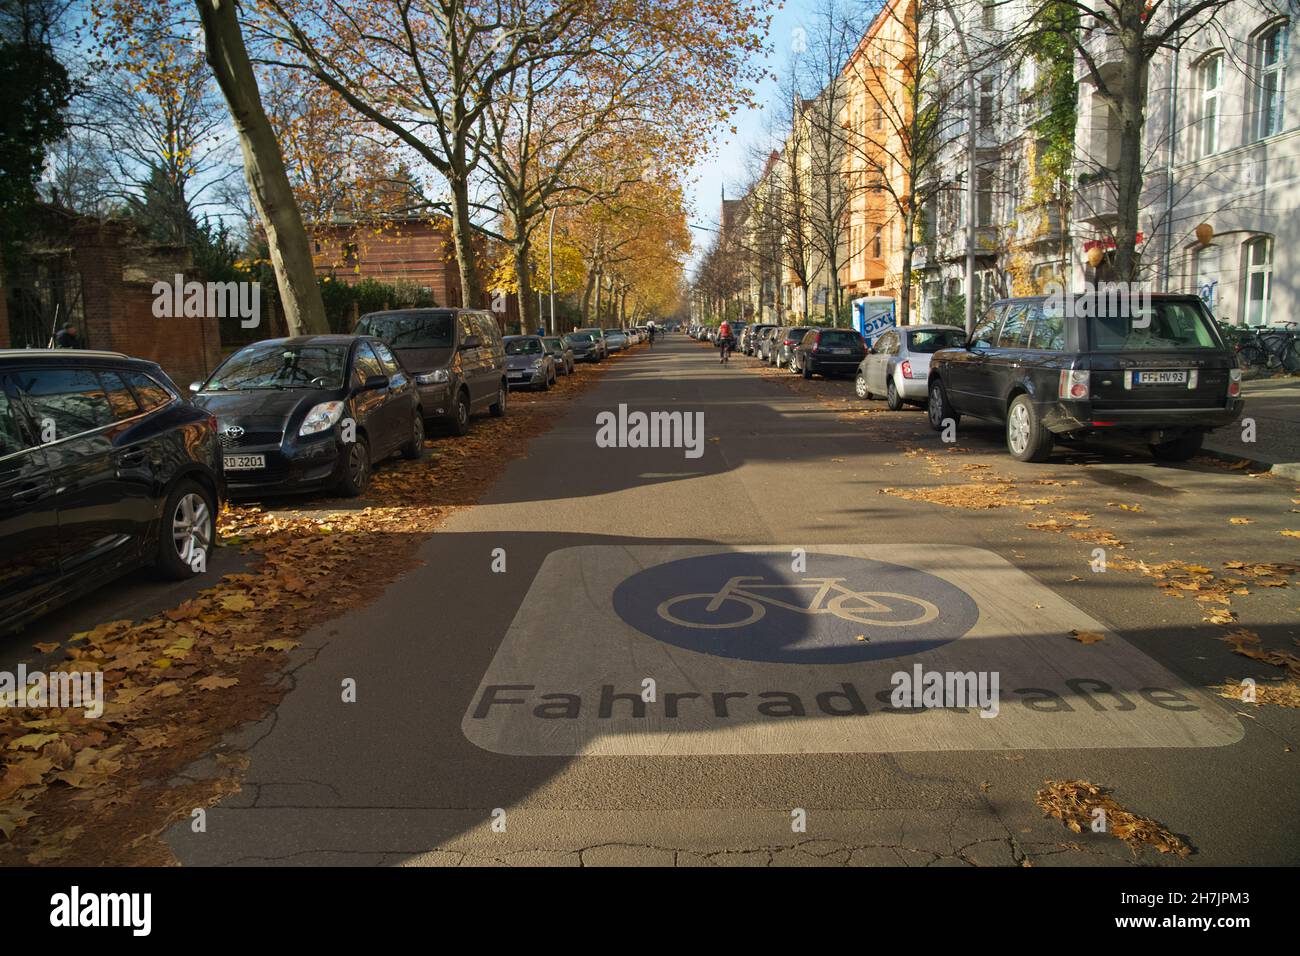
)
(27, 491)
(132, 458)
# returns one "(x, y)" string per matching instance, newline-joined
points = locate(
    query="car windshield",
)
(935, 339)
(276, 365)
(579, 337)
(409, 330)
(1158, 326)
(839, 338)
(523, 346)
(554, 344)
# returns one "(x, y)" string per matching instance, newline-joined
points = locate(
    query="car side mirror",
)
(471, 342)
(196, 386)
(374, 383)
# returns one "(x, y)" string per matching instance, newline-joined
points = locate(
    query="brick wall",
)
(119, 311)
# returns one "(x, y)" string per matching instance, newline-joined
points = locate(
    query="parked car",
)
(829, 352)
(585, 346)
(768, 343)
(528, 362)
(790, 340)
(104, 468)
(455, 356)
(311, 413)
(598, 336)
(616, 341)
(562, 352)
(749, 340)
(898, 364)
(1161, 373)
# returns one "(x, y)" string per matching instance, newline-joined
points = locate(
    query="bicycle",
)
(1269, 349)
(724, 347)
(736, 593)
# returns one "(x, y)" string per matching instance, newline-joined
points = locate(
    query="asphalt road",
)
(431, 765)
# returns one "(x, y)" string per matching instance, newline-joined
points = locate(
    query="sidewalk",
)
(1274, 404)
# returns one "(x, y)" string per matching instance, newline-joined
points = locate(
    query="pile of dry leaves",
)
(1075, 802)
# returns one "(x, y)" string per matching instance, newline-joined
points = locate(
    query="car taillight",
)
(907, 369)
(1073, 385)
(1234, 382)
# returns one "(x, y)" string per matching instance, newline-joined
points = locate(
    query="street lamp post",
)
(550, 254)
(972, 165)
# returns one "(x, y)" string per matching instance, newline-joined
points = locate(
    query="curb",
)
(1282, 469)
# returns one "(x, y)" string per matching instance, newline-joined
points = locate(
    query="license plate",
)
(244, 462)
(1163, 377)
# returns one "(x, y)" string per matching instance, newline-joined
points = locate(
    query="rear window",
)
(931, 341)
(406, 330)
(523, 346)
(840, 338)
(1157, 327)
(579, 337)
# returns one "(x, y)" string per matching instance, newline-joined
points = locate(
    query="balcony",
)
(1096, 201)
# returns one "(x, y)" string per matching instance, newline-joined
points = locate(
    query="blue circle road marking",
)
(751, 606)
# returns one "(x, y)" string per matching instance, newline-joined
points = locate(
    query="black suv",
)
(456, 356)
(1155, 368)
(103, 468)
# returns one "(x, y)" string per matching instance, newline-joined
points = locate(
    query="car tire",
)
(892, 398)
(355, 477)
(940, 408)
(1183, 448)
(860, 387)
(1027, 439)
(498, 408)
(194, 507)
(459, 421)
(413, 450)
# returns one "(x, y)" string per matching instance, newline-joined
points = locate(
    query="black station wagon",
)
(1155, 368)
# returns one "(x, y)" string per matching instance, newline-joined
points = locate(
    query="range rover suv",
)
(1156, 368)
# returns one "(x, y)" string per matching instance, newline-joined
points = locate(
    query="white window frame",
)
(1209, 101)
(1270, 121)
(1249, 270)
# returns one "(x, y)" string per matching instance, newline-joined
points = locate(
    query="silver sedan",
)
(898, 366)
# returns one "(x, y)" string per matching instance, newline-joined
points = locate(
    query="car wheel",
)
(188, 529)
(860, 387)
(892, 398)
(940, 408)
(1027, 439)
(460, 414)
(1182, 448)
(356, 469)
(498, 408)
(414, 449)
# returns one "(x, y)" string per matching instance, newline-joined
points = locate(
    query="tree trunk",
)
(524, 277)
(462, 237)
(600, 290)
(1132, 96)
(905, 282)
(295, 273)
(586, 297)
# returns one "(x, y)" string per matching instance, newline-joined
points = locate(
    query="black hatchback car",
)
(311, 413)
(455, 355)
(104, 468)
(828, 352)
(1155, 368)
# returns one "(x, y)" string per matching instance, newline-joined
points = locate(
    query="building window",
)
(875, 244)
(1259, 280)
(1270, 76)
(350, 253)
(990, 14)
(880, 117)
(987, 102)
(1209, 80)
(984, 198)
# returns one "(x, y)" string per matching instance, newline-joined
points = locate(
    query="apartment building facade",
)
(1222, 182)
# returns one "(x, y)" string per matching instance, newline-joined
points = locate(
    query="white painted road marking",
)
(570, 674)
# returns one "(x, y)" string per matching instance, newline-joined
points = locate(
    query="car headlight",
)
(436, 377)
(321, 418)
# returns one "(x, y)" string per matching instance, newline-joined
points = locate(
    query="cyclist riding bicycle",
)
(726, 342)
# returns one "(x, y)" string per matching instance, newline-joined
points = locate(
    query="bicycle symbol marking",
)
(830, 597)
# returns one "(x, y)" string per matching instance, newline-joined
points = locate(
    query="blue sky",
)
(726, 164)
